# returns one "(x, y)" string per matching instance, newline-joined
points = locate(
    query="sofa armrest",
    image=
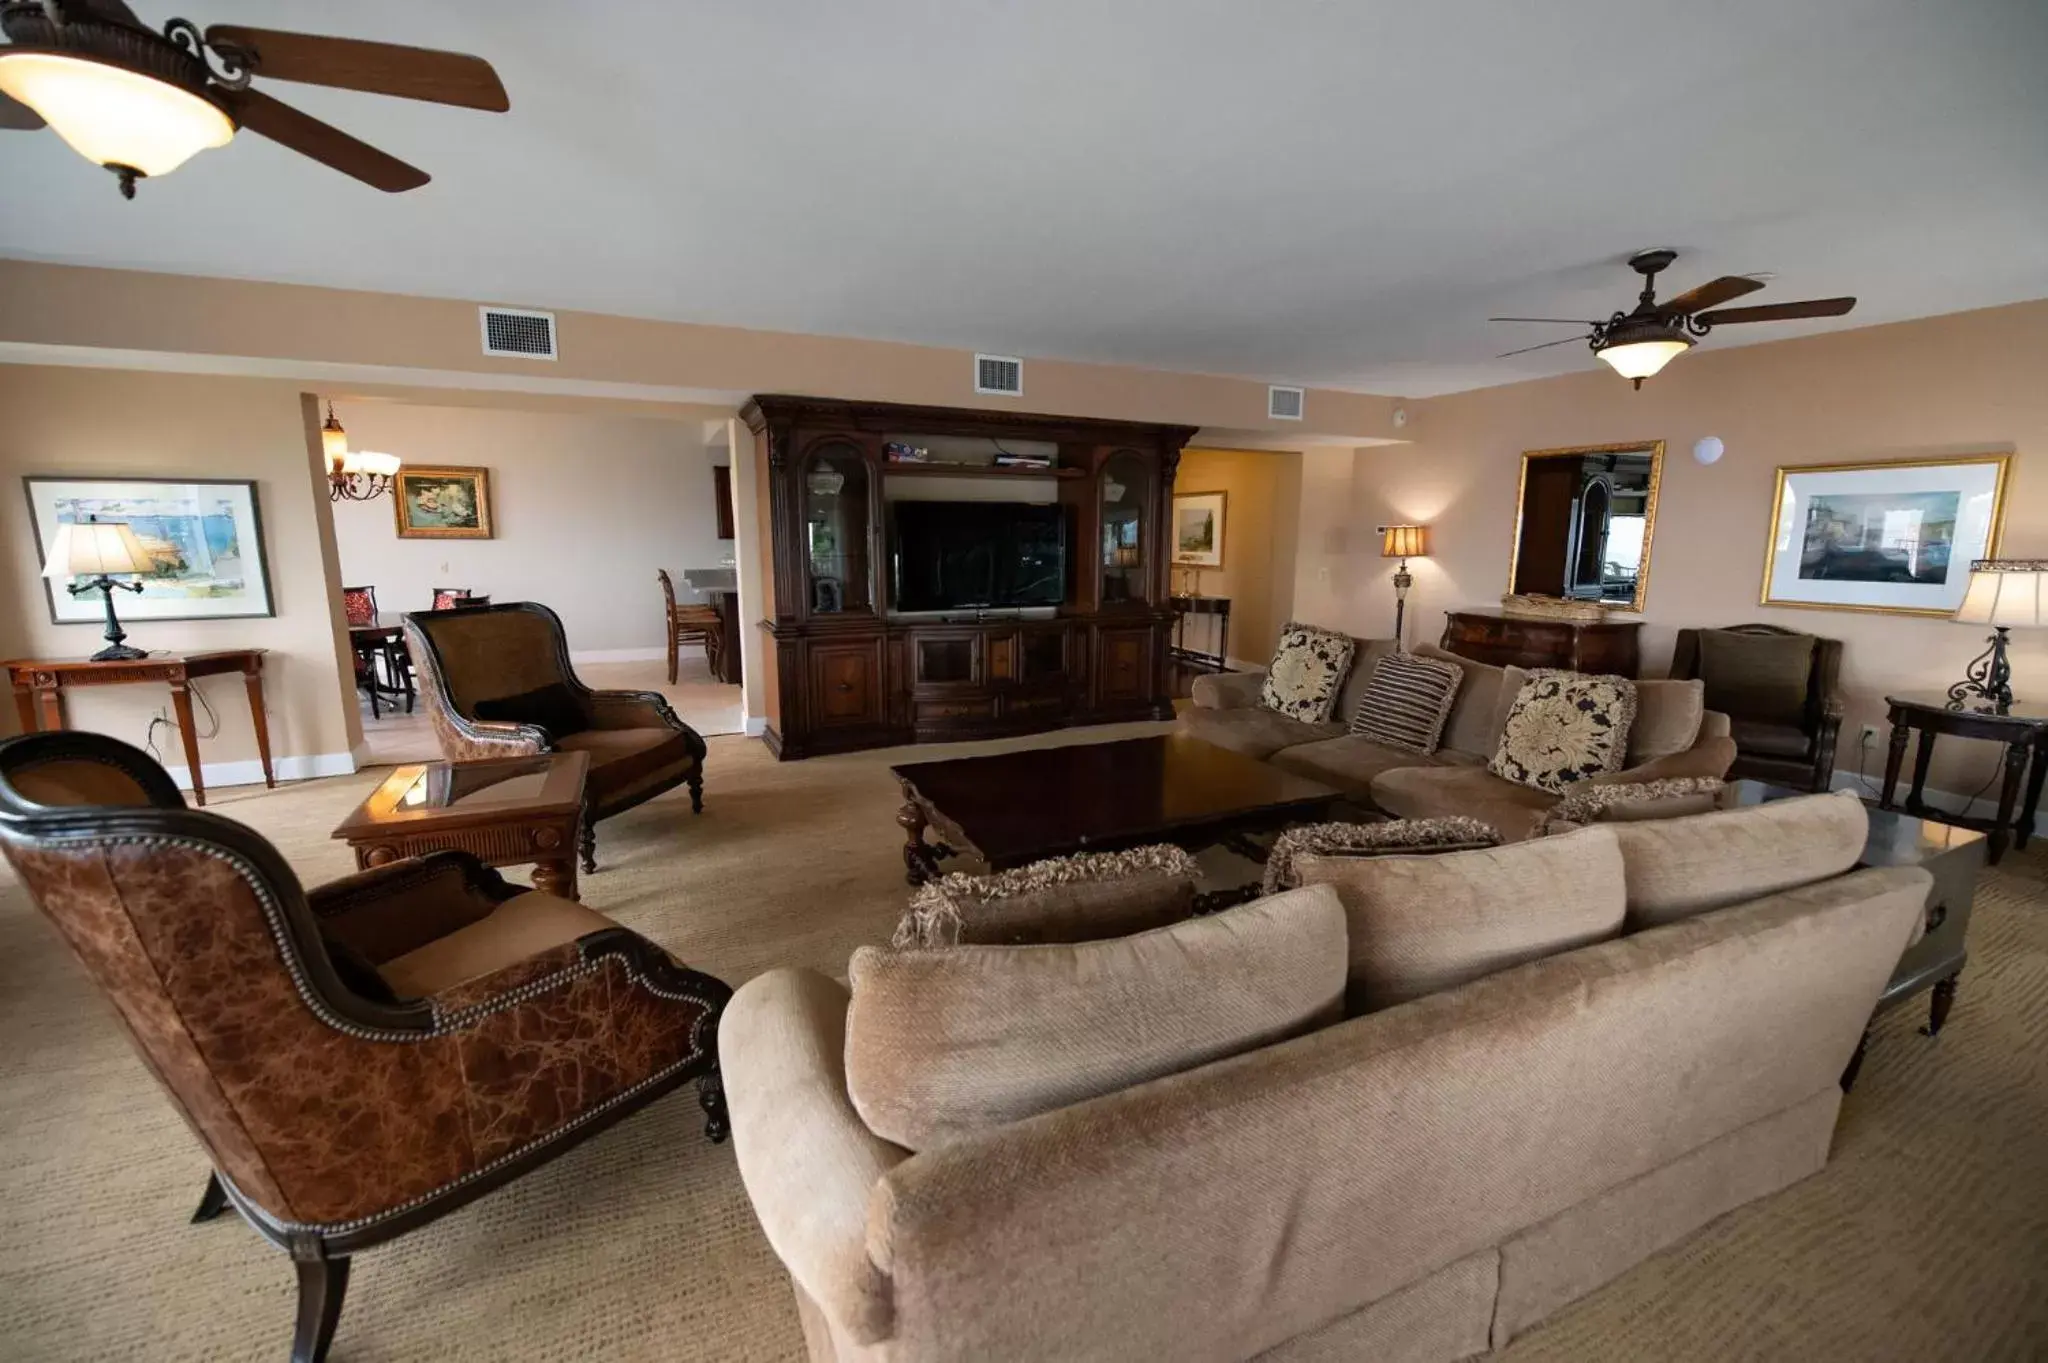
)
(1228, 690)
(1709, 757)
(809, 1163)
(386, 911)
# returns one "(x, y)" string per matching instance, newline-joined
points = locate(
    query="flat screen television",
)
(965, 555)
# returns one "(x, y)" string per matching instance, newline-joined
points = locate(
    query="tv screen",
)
(957, 555)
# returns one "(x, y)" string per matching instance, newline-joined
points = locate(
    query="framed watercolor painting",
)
(204, 537)
(1198, 529)
(444, 503)
(1896, 536)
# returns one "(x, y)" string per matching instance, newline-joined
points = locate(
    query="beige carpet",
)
(1925, 1238)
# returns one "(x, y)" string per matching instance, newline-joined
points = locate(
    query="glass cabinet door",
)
(1126, 493)
(835, 547)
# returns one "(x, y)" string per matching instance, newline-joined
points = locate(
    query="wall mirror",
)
(1583, 519)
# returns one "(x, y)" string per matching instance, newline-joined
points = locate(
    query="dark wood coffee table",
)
(504, 811)
(1019, 807)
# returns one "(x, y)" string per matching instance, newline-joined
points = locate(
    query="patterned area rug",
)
(1926, 1237)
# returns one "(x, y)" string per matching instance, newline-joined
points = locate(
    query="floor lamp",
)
(1403, 542)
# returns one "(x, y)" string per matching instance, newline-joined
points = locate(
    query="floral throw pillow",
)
(1308, 669)
(1565, 727)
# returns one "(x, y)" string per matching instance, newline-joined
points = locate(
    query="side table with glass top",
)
(504, 811)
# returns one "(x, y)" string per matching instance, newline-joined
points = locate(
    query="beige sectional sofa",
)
(1453, 780)
(1423, 1182)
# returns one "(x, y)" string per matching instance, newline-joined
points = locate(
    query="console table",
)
(40, 682)
(1218, 606)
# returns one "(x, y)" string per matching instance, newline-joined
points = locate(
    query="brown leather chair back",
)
(202, 938)
(1821, 683)
(474, 653)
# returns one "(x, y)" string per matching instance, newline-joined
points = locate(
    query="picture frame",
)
(1895, 537)
(1198, 526)
(442, 502)
(205, 534)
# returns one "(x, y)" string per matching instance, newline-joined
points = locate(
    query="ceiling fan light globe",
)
(113, 116)
(1642, 359)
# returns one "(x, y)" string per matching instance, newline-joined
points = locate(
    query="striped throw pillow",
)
(1406, 702)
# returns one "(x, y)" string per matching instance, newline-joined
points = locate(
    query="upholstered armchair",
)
(357, 1059)
(497, 683)
(1782, 693)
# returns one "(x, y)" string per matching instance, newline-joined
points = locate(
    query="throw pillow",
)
(1406, 702)
(1760, 677)
(553, 707)
(943, 1043)
(1389, 838)
(1418, 925)
(1621, 803)
(1668, 716)
(1565, 727)
(1081, 898)
(1308, 668)
(1680, 867)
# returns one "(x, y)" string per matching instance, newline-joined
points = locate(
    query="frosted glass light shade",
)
(90, 548)
(1641, 359)
(1405, 541)
(371, 462)
(112, 116)
(2004, 592)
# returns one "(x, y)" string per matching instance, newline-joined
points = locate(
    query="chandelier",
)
(353, 475)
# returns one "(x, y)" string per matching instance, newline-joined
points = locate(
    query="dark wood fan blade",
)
(1545, 346)
(325, 143)
(113, 11)
(1561, 321)
(17, 116)
(1708, 294)
(378, 68)
(1780, 312)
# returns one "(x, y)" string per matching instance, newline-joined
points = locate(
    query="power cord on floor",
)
(212, 719)
(1869, 741)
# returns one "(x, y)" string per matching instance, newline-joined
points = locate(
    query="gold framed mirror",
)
(1584, 519)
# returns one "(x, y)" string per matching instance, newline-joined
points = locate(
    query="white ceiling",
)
(1321, 193)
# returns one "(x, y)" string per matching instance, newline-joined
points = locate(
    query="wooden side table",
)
(2021, 727)
(504, 811)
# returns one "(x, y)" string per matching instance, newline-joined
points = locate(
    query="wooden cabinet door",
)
(946, 660)
(846, 684)
(1124, 666)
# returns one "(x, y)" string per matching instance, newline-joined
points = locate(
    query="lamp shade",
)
(90, 548)
(2005, 592)
(113, 116)
(371, 462)
(1404, 541)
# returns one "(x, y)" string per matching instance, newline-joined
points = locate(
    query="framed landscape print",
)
(204, 538)
(1198, 529)
(444, 503)
(1895, 536)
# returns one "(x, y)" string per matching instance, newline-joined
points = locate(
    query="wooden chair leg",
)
(674, 647)
(212, 1202)
(695, 781)
(323, 1282)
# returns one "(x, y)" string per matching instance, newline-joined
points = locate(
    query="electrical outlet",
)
(1869, 735)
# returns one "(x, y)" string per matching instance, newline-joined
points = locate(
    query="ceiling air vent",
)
(1001, 374)
(513, 331)
(1284, 404)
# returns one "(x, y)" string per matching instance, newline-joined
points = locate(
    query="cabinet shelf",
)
(976, 471)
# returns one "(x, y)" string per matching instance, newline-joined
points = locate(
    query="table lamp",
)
(2004, 593)
(1403, 542)
(94, 548)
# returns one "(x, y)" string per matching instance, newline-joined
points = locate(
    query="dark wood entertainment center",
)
(844, 670)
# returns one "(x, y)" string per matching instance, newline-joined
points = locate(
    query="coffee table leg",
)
(1944, 998)
(557, 876)
(920, 861)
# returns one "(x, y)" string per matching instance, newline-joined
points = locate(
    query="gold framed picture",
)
(1198, 529)
(1895, 536)
(448, 502)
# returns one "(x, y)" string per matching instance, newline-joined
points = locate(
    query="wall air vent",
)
(1284, 404)
(1000, 374)
(516, 332)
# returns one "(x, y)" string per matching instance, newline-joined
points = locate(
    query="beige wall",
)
(585, 507)
(1963, 383)
(99, 423)
(1262, 492)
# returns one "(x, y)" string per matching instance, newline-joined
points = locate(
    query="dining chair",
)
(690, 624)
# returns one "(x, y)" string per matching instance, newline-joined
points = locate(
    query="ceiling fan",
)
(1640, 342)
(142, 103)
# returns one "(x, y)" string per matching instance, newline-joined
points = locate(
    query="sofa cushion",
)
(1770, 740)
(1406, 701)
(1387, 838)
(1668, 715)
(1257, 732)
(943, 1043)
(1624, 803)
(1227, 690)
(1348, 762)
(1757, 676)
(1707, 758)
(1365, 657)
(1681, 867)
(1309, 666)
(1081, 898)
(1476, 712)
(1434, 792)
(1564, 727)
(1422, 924)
